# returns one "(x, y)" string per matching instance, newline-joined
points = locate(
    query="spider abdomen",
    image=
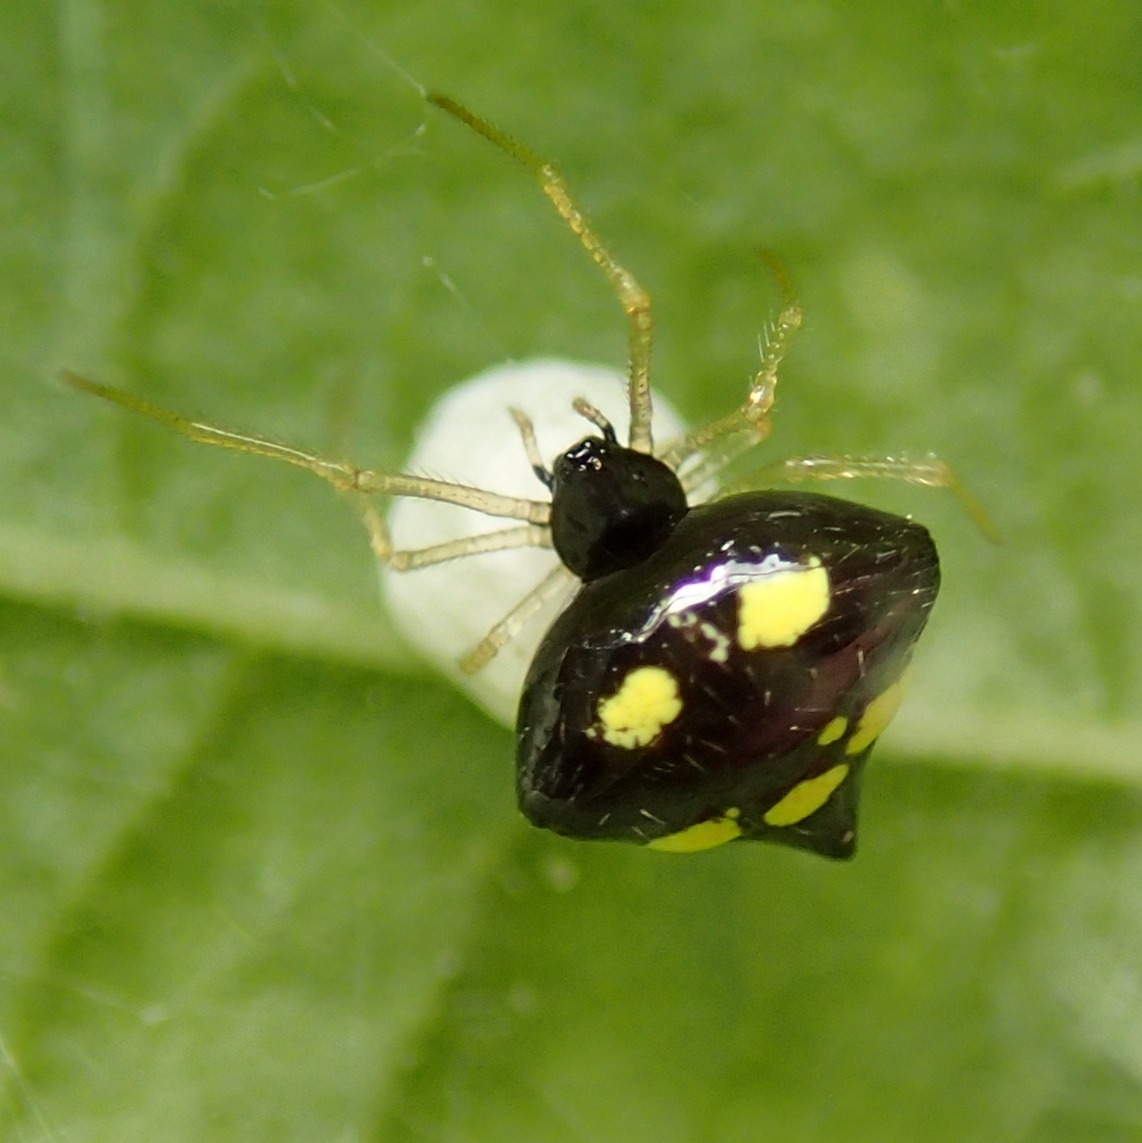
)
(732, 684)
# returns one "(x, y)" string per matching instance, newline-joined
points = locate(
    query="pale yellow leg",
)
(751, 419)
(928, 472)
(344, 477)
(633, 298)
(503, 632)
(410, 559)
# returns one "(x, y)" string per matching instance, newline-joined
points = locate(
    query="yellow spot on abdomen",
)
(832, 730)
(877, 715)
(703, 835)
(646, 701)
(778, 607)
(806, 797)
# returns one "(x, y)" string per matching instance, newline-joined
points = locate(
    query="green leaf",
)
(261, 876)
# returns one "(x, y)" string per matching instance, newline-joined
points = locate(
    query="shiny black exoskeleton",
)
(729, 739)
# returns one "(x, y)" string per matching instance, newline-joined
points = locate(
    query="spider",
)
(724, 665)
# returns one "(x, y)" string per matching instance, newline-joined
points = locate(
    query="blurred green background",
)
(261, 876)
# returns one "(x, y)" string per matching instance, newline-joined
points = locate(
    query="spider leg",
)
(344, 477)
(508, 627)
(410, 559)
(632, 297)
(929, 472)
(750, 422)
